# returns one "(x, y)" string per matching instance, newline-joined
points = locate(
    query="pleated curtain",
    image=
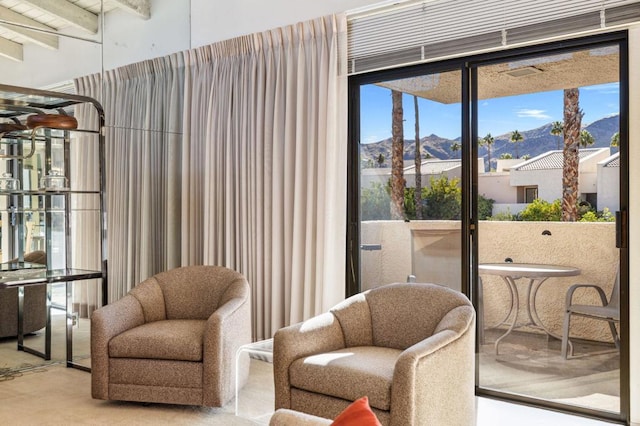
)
(143, 114)
(265, 151)
(86, 238)
(234, 154)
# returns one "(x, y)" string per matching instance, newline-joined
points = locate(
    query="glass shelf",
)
(45, 192)
(27, 134)
(26, 277)
(14, 266)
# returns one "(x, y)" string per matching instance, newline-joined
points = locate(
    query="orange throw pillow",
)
(358, 413)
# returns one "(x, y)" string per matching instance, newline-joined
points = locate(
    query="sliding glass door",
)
(515, 195)
(409, 172)
(548, 130)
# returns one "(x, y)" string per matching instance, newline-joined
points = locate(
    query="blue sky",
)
(497, 116)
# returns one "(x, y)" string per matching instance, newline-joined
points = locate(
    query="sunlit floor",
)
(530, 364)
(526, 365)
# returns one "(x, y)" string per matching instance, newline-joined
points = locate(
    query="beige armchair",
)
(408, 347)
(173, 338)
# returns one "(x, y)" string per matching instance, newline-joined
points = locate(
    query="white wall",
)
(175, 25)
(497, 186)
(129, 39)
(213, 21)
(608, 177)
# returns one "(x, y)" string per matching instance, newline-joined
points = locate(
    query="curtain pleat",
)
(86, 238)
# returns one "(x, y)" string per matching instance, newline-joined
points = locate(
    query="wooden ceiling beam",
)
(11, 49)
(141, 8)
(68, 12)
(23, 27)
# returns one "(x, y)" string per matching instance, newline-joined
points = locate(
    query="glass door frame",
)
(469, 222)
(353, 285)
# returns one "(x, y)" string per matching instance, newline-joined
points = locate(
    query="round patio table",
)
(536, 274)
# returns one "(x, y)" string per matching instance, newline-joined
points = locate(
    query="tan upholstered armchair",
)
(408, 347)
(173, 338)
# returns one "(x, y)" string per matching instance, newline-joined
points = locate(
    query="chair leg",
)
(565, 335)
(614, 334)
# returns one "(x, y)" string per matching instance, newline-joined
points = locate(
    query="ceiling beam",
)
(68, 12)
(141, 8)
(10, 49)
(8, 17)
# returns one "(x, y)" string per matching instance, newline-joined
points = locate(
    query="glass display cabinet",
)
(52, 213)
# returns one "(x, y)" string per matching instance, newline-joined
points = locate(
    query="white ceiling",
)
(19, 18)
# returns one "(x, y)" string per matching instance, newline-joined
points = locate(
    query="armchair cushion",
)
(348, 374)
(179, 340)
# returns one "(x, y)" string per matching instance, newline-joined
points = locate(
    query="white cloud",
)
(604, 89)
(533, 113)
(371, 139)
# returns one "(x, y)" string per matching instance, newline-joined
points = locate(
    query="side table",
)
(262, 350)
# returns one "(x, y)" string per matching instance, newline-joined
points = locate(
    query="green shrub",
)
(503, 216)
(374, 202)
(442, 200)
(603, 216)
(541, 210)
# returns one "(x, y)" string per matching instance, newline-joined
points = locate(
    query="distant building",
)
(431, 168)
(517, 182)
(609, 183)
(541, 177)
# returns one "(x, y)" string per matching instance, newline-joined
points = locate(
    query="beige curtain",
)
(233, 154)
(143, 109)
(86, 238)
(264, 164)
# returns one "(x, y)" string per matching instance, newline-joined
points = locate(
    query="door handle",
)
(370, 247)
(621, 229)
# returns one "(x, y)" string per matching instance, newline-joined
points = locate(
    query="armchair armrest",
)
(107, 322)
(573, 288)
(228, 328)
(438, 368)
(318, 334)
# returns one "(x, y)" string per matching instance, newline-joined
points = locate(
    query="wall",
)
(608, 177)
(129, 39)
(431, 251)
(175, 25)
(213, 21)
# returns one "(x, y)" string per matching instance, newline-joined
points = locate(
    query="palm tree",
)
(571, 161)
(397, 151)
(455, 147)
(615, 139)
(586, 139)
(516, 138)
(418, 162)
(556, 130)
(488, 140)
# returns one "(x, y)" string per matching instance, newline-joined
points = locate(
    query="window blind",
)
(419, 31)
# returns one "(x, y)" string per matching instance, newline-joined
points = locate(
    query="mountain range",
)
(536, 141)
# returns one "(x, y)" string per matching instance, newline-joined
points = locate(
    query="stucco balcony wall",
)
(406, 247)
